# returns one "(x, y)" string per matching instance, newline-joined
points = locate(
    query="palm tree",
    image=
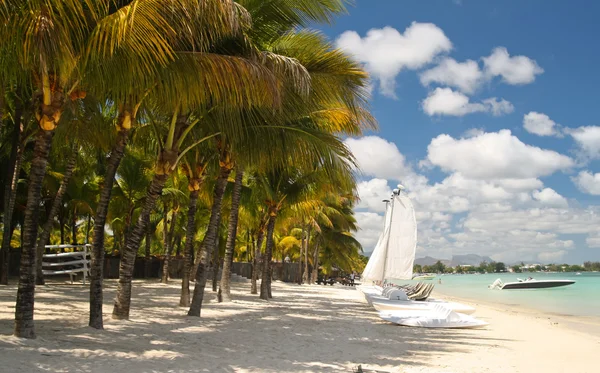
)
(158, 30)
(225, 287)
(19, 139)
(51, 38)
(194, 167)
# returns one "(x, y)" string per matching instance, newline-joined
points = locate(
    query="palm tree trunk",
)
(298, 275)
(266, 270)
(74, 227)
(123, 298)
(315, 273)
(61, 221)
(258, 258)
(305, 275)
(216, 261)
(188, 251)
(148, 262)
(10, 192)
(209, 242)
(56, 204)
(231, 235)
(170, 243)
(97, 254)
(24, 325)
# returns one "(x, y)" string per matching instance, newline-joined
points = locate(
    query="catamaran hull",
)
(431, 319)
(391, 305)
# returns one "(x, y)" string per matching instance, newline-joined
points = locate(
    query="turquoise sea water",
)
(579, 299)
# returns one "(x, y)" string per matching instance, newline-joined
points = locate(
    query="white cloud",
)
(540, 124)
(494, 155)
(551, 256)
(445, 101)
(588, 140)
(491, 202)
(498, 107)
(587, 182)
(371, 194)
(385, 52)
(549, 197)
(515, 70)
(380, 158)
(520, 185)
(466, 76)
(370, 225)
(593, 240)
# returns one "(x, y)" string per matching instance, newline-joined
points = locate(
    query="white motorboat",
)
(529, 283)
(438, 317)
(424, 277)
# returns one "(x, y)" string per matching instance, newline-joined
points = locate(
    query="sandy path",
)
(303, 329)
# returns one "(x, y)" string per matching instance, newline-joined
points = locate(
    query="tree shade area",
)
(204, 130)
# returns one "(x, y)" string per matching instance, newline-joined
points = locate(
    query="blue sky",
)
(487, 113)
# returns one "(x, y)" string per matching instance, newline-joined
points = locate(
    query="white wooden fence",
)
(77, 262)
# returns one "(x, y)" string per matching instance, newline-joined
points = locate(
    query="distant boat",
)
(424, 277)
(578, 274)
(530, 283)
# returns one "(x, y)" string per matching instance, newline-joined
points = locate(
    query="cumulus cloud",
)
(515, 70)
(372, 192)
(549, 197)
(551, 256)
(494, 155)
(587, 139)
(445, 101)
(466, 76)
(491, 202)
(370, 224)
(385, 52)
(380, 158)
(540, 124)
(587, 182)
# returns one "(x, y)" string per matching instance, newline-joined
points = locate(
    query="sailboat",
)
(393, 259)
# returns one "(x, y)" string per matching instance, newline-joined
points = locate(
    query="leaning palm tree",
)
(48, 38)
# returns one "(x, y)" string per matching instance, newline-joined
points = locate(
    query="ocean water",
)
(580, 299)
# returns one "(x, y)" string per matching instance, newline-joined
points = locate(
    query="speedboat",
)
(424, 277)
(437, 317)
(529, 283)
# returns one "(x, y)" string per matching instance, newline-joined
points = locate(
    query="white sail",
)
(374, 270)
(394, 254)
(402, 240)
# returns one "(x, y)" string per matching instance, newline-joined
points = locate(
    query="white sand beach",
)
(303, 329)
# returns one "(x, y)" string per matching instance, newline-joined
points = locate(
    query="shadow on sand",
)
(302, 329)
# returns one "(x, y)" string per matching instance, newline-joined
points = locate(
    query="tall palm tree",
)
(225, 286)
(194, 166)
(50, 36)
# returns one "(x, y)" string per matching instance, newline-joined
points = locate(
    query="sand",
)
(303, 329)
